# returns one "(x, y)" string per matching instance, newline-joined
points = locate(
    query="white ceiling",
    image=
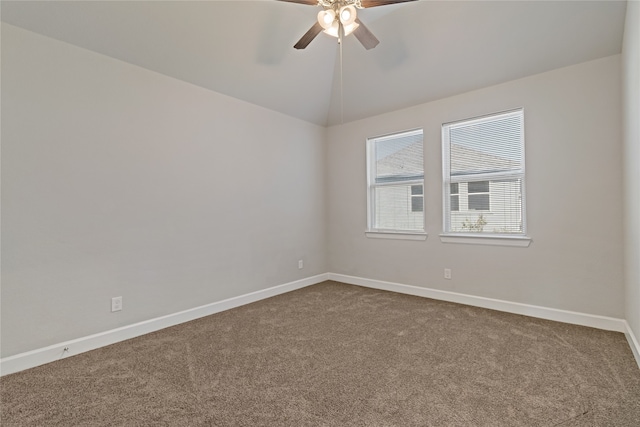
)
(428, 49)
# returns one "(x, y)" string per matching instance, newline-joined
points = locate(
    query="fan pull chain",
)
(340, 37)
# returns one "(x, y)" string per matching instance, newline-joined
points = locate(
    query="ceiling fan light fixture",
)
(327, 18)
(333, 29)
(348, 15)
(339, 18)
(348, 29)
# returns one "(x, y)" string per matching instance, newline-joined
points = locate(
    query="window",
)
(395, 168)
(455, 197)
(483, 175)
(417, 199)
(479, 198)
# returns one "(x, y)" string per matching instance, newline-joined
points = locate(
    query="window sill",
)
(494, 240)
(395, 235)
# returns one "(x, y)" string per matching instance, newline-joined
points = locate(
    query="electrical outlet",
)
(447, 273)
(116, 304)
(300, 264)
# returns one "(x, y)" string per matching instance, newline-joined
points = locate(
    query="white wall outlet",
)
(300, 264)
(447, 273)
(116, 304)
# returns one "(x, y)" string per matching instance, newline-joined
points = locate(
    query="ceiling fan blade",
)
(374, 3)
(309, 2)
(366, 37)
(308, 36)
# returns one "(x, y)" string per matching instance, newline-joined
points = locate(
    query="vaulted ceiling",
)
(428, 49)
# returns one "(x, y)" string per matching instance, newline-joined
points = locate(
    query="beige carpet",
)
(340, 355)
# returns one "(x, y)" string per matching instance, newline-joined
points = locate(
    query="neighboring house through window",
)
(417, 199)
(395, 169)
(479, 196)
(455, 197)
(483, 175)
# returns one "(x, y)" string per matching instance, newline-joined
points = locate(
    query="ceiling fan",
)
(339, 18)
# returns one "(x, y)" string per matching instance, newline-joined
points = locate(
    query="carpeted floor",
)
(340, 355)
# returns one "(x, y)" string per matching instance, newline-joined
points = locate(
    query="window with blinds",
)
(395, 169)
(483, 175)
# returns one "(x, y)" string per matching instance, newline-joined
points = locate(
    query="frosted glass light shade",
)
(348, 29)
(348, 15)
(327, 18)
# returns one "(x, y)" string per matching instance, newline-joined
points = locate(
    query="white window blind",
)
(483, 175)
(395, 165)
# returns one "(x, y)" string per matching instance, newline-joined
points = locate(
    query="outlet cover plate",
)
(116, 304)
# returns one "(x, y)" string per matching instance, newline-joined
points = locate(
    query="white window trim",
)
(487, 239)
(384, 233)
(492, 239)
(397, 235)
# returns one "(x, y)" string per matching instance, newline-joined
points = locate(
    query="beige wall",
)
(631, 106)
(574, 196)
(120, 181)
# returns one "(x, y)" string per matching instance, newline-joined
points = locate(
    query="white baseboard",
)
(633, 343)
(30, 359)
(591, 320)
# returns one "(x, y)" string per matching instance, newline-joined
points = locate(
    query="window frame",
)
(385, 233)
(487, 238)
